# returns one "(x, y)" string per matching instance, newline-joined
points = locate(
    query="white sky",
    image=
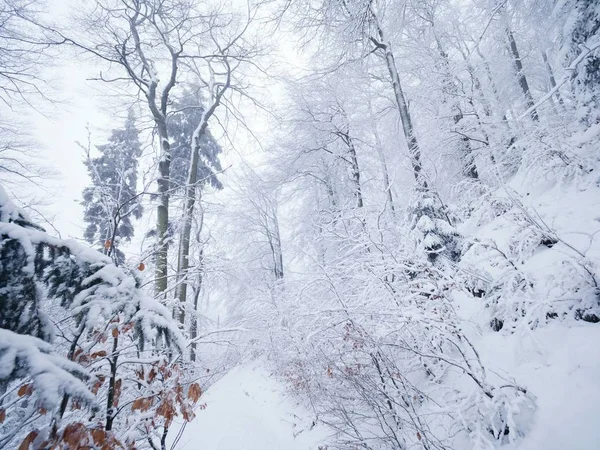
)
(56, 131)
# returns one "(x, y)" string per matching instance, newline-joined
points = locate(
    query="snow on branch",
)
(588, 49)
(53, 376)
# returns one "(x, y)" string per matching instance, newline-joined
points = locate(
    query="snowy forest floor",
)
(249, 409)
(561, 367)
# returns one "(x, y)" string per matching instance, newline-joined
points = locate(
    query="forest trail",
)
(248, 409)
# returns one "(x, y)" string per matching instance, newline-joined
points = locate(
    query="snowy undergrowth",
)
(390, 351)
(534, 275)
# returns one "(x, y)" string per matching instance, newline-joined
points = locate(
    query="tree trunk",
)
(331, 195)
(197, 290)
(184, 247)
(469, 165)
(494, 88)
(112, 385)
(162, 210)
(387, 186)
(407, 126)
(521, 74)
(354, 169)
(275, 244)
(551, 77)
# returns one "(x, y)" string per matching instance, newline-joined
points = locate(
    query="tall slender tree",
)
(112, 201)
(195, 166)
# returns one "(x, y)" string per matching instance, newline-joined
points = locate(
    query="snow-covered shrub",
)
(530, 276)
(433, 228)
(375, 346)
(75, 328)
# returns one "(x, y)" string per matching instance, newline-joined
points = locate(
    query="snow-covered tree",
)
(113, 201)
(187, 113)
(67, 314)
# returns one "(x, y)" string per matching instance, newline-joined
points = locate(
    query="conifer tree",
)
(433, 228)
(181, 126)
(59, 300)
(112, 199)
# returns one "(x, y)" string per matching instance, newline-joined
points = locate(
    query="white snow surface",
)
(560, 366)
(249, 409)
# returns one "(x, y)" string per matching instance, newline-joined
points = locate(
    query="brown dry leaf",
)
(151, 375)
(83, 359)
(108, 243)
(75, 435)
(418, 435)
(137, 404)
(167, 410)
(141, 267)
(99, 436)
(117, 392)
(26, 389)
(112, 443)
(115, 332)
(96, 387)
(28, 440)
(142, 403)
(100, 354)
(194, 392)
(2, 415)
(188, 415)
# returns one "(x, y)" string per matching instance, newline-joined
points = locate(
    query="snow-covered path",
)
(248, 410)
